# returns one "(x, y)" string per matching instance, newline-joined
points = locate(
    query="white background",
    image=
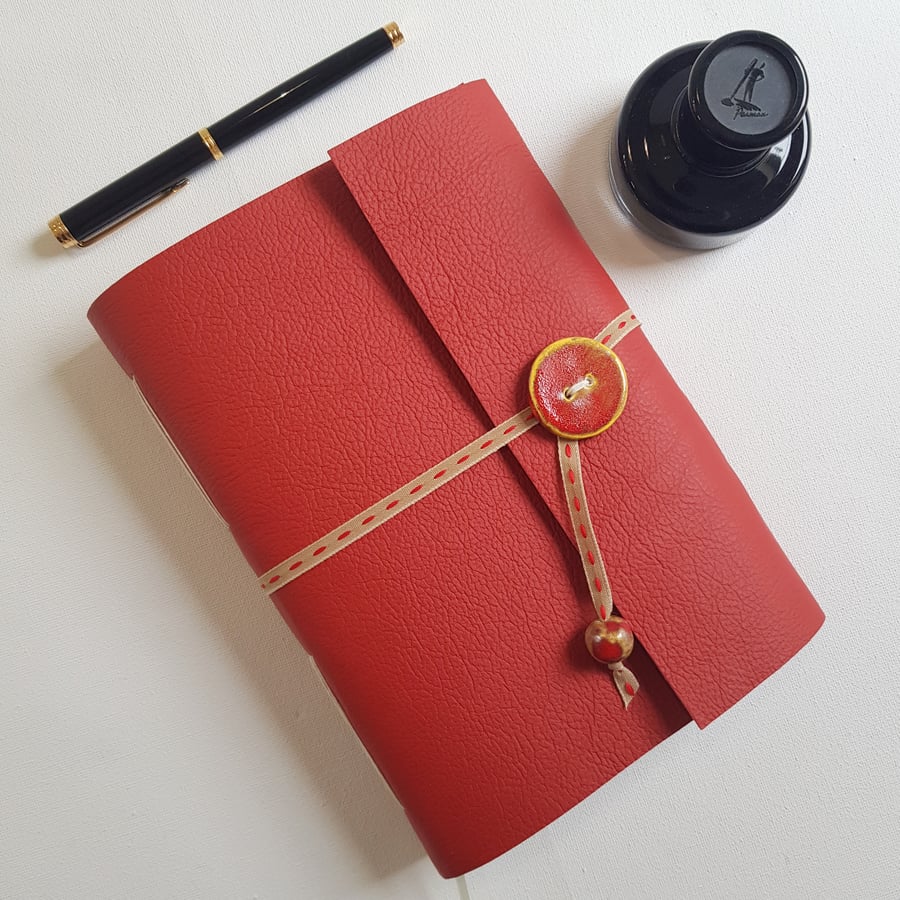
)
(161, 734)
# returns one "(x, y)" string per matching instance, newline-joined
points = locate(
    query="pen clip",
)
(153, 201)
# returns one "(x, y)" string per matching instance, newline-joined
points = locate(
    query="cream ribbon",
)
(446, 470)
(589, 550)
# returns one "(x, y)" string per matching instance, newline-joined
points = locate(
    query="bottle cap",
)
(747, 90)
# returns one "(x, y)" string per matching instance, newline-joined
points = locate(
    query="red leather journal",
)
(316, 349)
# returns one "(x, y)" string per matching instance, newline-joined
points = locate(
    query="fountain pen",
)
(112, 206)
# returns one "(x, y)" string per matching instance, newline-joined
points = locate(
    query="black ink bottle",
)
(712, 139)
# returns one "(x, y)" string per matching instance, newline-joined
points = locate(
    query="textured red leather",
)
(314, 350)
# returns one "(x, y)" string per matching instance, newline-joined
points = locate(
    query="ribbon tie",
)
(588, 403)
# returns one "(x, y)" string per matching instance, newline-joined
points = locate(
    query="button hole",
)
(586, 383)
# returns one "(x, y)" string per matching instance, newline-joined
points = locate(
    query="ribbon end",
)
(626, 684)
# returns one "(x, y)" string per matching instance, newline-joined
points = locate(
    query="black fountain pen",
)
(85, 222)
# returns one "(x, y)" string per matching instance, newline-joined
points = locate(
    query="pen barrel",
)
(140, 186)
(284, 99)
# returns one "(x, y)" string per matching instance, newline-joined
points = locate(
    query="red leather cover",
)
(316, 349)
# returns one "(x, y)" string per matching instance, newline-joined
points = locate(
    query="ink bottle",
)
(712, 139)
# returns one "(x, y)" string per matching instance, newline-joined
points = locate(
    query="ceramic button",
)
(578, 387)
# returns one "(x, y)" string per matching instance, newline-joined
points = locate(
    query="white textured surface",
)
(162, 734)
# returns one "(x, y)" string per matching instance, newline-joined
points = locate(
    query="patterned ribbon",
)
(589, 550)
(447, 469)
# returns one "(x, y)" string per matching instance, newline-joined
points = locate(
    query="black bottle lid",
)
(712, 139)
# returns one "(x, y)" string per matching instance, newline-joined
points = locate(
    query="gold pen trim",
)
(61, 233)
(65, 237)
(392, 30)
(210, 143)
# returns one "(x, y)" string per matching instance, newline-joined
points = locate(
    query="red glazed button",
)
(578, 387)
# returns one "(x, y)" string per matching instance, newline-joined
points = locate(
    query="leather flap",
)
(484, 244)
(500, 270)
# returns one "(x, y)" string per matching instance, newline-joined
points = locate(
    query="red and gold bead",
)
(610, 641)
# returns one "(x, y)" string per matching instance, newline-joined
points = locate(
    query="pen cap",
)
(712, 139)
